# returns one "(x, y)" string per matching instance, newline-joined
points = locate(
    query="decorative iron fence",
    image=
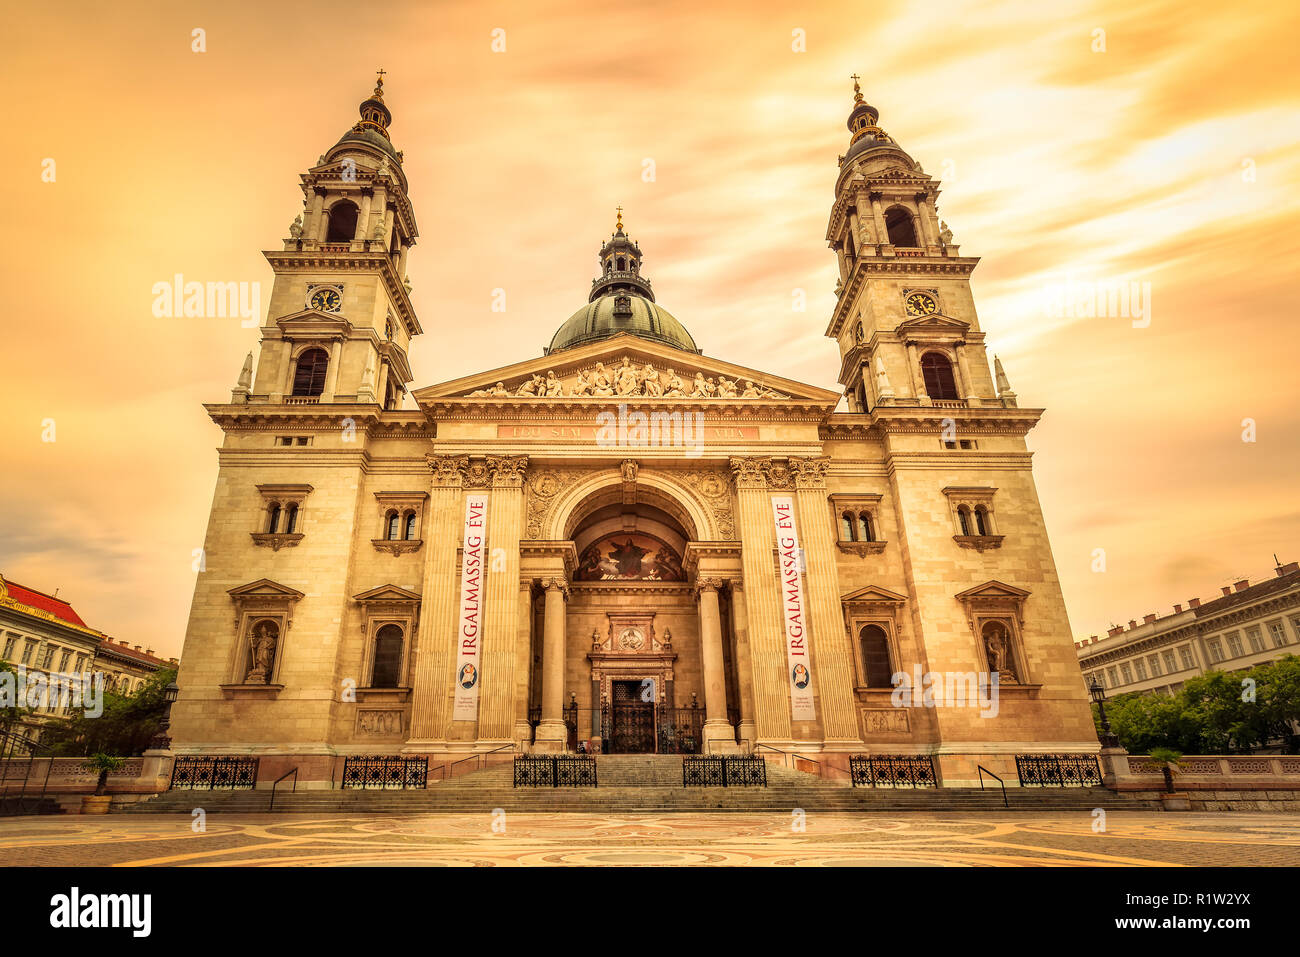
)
(385, 772)
(213, 773)
(1058, 770)
(555, 771)
(723, 771)
(892, 771)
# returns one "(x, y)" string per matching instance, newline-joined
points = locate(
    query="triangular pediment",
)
(872, 593)
(264, 588)
(936, 323)
(388, 593)
(993, 591)
(314, 322)
(572, 374)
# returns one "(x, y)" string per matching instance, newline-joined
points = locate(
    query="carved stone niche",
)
(995, 613)
(263, 617)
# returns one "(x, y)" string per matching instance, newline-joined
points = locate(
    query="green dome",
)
(638, 316)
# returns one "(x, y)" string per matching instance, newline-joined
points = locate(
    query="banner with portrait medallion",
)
(798, 660)
(473, 565)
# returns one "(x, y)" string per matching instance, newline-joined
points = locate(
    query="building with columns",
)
(625, 541)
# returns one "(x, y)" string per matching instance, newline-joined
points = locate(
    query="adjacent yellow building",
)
(626, 541)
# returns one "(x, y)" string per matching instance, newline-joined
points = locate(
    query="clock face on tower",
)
(919, 304)
(326, 300)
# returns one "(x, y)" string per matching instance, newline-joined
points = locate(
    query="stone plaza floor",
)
(1129, 838)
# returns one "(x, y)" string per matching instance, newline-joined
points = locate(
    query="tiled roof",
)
(42, 602)
(109, 646)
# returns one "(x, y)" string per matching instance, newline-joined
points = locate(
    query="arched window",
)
(876, 666)
(273, 518)
(342, 222)
(963, 518)
(936, 370)
(609, 266)
(409, 532)
(846, 527)
(291, 520)
(865, 530)
(394, 527)
(622, 264)
(388, 658)
(850, 250)
(898, 223)
(309, 376)
(981, 521)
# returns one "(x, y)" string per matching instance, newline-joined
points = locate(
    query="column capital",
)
(736, 584)
(448, 470)
(708, 584)
(809, 472)
(748, 472)
(508, 470)
(558, 584)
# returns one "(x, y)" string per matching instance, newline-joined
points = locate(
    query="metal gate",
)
(631, 721)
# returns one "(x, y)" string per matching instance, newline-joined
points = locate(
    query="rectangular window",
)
(63, 662)
(1140, 668)
(1127, 673)
(28, 649)
(1171, 662)
(1110, 673)
(1235, 648)
(1216, 650)
(10, 641)
(1295, 625)
(1255, 637)
(1154, 662)
(1186, 656)
(47, 659)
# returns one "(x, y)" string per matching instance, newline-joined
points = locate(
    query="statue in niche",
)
(997, 647)
(672, 385)
(261, 653)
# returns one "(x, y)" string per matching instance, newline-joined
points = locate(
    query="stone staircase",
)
(635, 784)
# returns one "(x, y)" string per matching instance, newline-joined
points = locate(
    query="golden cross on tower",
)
(857, 90)
(619, 224)
(379, 82)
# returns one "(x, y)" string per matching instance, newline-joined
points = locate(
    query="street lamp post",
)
(161, 741)
(1098, 694)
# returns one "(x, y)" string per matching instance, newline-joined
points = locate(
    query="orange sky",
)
(1057, 162)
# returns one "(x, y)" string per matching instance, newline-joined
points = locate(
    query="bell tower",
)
(340, 319)
(904, 318)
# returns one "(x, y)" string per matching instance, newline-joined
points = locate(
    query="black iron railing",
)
(892, 771)
(723, 771)
(213, 773)
(19, 797)
(983, 771)
(385, 772)
(1058, 770)
(555, 771)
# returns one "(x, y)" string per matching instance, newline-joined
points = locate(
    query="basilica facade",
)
(626, 543)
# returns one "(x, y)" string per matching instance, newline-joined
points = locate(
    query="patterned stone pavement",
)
(1129, 838)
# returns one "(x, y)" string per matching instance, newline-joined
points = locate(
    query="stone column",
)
(744, 668)
(552, 735)
(918, 380)
(363, 216)
(317, 229)
(435, 649)
(718, 734)
(762, 601)
(332, 374)
(832, 654)
(496, 719)
(524, 661)
(878, 217)
(963, 370)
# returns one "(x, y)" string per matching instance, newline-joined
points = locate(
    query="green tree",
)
(11, 711)
(125, 727)
(1277, 693)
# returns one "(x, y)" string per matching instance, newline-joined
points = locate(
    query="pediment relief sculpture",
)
(626, 380)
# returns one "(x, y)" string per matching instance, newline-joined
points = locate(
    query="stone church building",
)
(625, 543)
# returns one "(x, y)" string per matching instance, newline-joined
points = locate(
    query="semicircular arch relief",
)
(599, 489)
